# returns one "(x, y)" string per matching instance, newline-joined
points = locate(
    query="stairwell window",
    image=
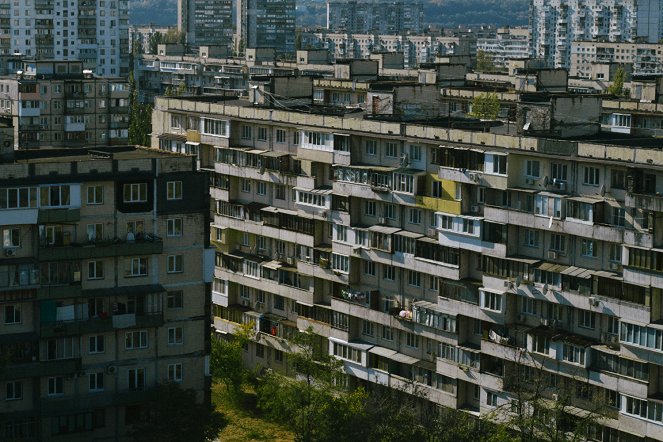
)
(174, 190)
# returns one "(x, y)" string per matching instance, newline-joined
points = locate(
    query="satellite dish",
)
(602, 191)
(518, 280)
(546, 181)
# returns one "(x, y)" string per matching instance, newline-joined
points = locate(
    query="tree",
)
(140, 117)
(617, 86)
(486, 106)
(173, 414)
(485, 62)
(153, 42)
(226, 360)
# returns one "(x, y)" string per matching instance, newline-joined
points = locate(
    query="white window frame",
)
(174, 190)
(175, 336)
(175, 264)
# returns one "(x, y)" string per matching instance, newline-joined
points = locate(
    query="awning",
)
(192, 143)
(552, 267)
(525, 260)
(304, 303)
(610, 275)
(318, 191)
(273, 265)
(409, 234)
(498, 292)
(584, 199)
(570, 338)
(403, 359)
(176, 137)
(371, 167)
(271, 153)
(577, 272)
(426, 304)
(429, 240)
(256, 151)
(383, 229)
(381, 351)
(272, 209)
(358, 344)
(426, 365)
(522, 189)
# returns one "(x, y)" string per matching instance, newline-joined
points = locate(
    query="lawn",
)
(245, 420)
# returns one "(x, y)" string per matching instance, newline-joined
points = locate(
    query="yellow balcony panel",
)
(440, 205)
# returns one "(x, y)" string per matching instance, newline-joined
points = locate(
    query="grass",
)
(245, 420)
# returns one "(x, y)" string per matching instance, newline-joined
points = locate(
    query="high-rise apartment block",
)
(96, 33)
(59, 104)
(103, 289)
(555, 24)
(266, 24)
(461, 260)
(375, 16)
(205, 22)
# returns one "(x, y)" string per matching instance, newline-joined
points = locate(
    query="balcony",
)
(101, 249)
(58, 216)
(653, 203)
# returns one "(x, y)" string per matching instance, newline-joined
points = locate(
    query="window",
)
(95, 195)
(214, 127)
(280, 135)
(491, 301)
(616, 252)
(278, 356)
(557, 243)
(558, 171)
(174, 299)
(136, 267)
(367, 328)
(54, 196)
(174, 226)
(95, 232)
(175, 263)
(530, 306)
(491, 399)
(415, 152)
(389, 272)
(279, 302)
(369, 268)
(531, 238)
(387, 333)
(262, 188)
(403, 183)
(175, 336)
(588, 248)
(135, 227)
(341, 232)
(136, 378)
(246, 185)
(591, 176)
(340, 263)
(247, 132)
(573, 354)
(135, 193)
(174, 190)
(262, 134)
(96, 344)
(371, 147)
(96, 381)
(55, 386)
(390, 211)
(175, 372)
(532, 168)
(95, 270)
(260, 351)
(369, 208)
(498, 164)
(414, 278)
(279, 191)
(586, 319)
(12, 314)
(135, 339)
(411, 340)
(618, 216)
(391, 150)
(617, 179)
(415, 216)
(14, 390)
(11, 238)
(433, 283)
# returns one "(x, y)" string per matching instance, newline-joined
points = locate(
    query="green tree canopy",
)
(617, 86)
(486, 106)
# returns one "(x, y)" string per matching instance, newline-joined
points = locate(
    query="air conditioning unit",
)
(382, 220)
(432, 231)
(10, 252)
(290, 260)
(111, 369)
(474, 208)
(245, 302)
(593, 301)
(552, 255)
(356, 251)
(615, 266)
(529, 181)
(545, 322)
(475, 177)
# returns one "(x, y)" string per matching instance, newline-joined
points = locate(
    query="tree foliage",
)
(617, 86)
(173, 414)
(226, 360)
(485, 62)
(486, 106)
(140, 117)
(173, 36)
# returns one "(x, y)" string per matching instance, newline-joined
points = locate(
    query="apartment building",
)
(644, 58)
(440, 256)
(508, 44)
(139, 37)
(372, 16)
(96, 33)
(556, 24)
(104, 288)
(206, 22)
(60, 104)
(265, 24)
